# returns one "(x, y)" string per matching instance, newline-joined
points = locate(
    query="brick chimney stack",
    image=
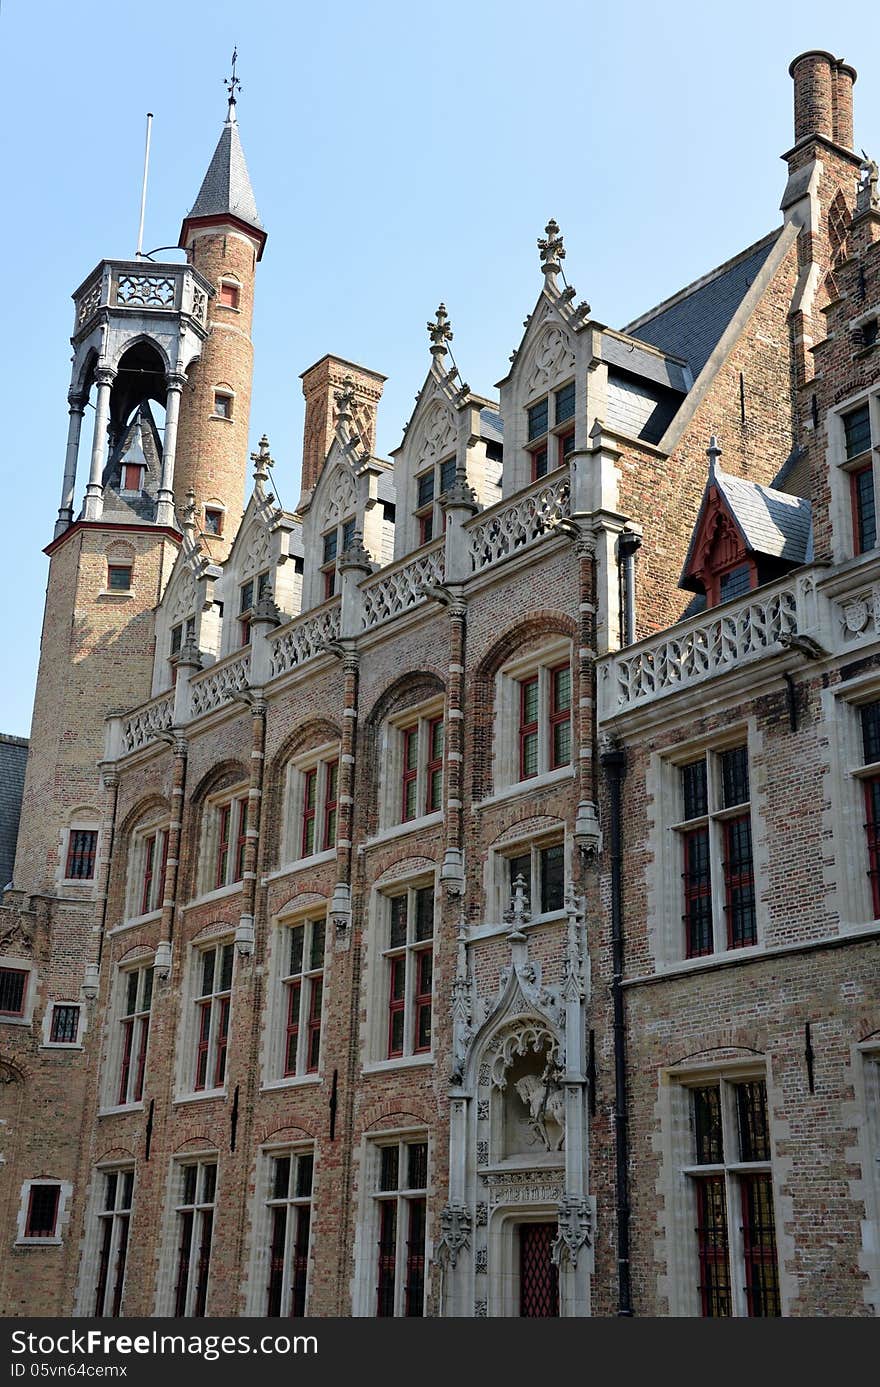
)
(823, 97)
(321, 383)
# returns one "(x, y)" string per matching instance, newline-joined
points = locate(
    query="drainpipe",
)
(628, 543)
(614, 763)
(110, 782)
(162, 959)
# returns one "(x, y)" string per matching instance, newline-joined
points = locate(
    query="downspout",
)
(614, 765)
(162, 959)
(628, 543)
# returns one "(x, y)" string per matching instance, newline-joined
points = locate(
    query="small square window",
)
(132, 477)
(222, 405)
(81, 848)
(213, 521)
(119, 577)
(42, 1213)
(13, 990)
(65, 1023)
(229, 294)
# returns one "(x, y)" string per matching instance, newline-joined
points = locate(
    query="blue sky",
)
(401, 154)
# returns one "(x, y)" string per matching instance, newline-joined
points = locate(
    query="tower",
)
(223, 237)
(147, 337)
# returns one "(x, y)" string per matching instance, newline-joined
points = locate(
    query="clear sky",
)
(401, 153)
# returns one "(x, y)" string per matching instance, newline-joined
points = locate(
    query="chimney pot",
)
(823, 102)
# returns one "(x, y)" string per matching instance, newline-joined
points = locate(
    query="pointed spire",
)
(713, 453)
(226, 190)
(232, 85)
(262, 461)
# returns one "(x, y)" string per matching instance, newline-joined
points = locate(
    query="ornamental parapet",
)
(770, 621)
(144, 287)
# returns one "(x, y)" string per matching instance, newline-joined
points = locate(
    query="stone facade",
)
(394, 993)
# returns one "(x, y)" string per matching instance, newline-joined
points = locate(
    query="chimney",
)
(321, 383)
(823, 102)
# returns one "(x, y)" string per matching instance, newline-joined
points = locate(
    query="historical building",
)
(461, 895)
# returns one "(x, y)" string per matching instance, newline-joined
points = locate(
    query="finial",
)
(262, 461)
(713, 453)
(551, 248)
(518, 914)
(440, 332)
(232, 85)
(344, 398)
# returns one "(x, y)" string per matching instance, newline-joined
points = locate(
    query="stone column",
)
(104, 378)
(452, 871)
(340, 905)
(162, 960)
(244, 934)
(174, 384)
(110, 783)
(586, 830)
(77, 405)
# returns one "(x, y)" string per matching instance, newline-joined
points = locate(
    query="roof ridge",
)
(701, 282)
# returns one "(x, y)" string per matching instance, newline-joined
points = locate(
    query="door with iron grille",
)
(538, 1276)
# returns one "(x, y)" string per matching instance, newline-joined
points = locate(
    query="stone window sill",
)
(523, 788)
(392, 1066)
(411, 826)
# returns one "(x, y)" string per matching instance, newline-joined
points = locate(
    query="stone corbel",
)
(575, 1230)
(455, 1232)
(340, 917)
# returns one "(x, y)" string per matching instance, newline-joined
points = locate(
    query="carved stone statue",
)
(546, 1104)
(868, 199)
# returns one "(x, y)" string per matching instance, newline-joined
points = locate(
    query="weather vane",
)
(232, 83)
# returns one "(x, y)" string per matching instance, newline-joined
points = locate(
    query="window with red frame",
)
(44, 1201)
(715, 833)
(730, 1173)
(544, 732)
(154, 858)
(400, 1198)
(13, 991)
(317, 797)
(134, 1024)
(231, 840)
(550, 443)
(229, 294)
(213, 1004)
(420, 749)
(290, 1211)
(857, 449)
(82, 846)
(303, 984)
(409, 960)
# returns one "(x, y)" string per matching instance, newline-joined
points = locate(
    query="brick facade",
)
(297, 781)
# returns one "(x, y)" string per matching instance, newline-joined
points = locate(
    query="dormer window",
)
(736, 582)
(335, 542)
(229, 294)
(183, 631)
(431, 486)
(132, 479)
(549, 443)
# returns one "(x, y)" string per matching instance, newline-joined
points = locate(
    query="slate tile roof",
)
(691, 323)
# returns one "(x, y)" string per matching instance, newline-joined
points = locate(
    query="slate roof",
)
(491, 426)
(139, 445)
(13, 755)
(227, 186)
(691, 323)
